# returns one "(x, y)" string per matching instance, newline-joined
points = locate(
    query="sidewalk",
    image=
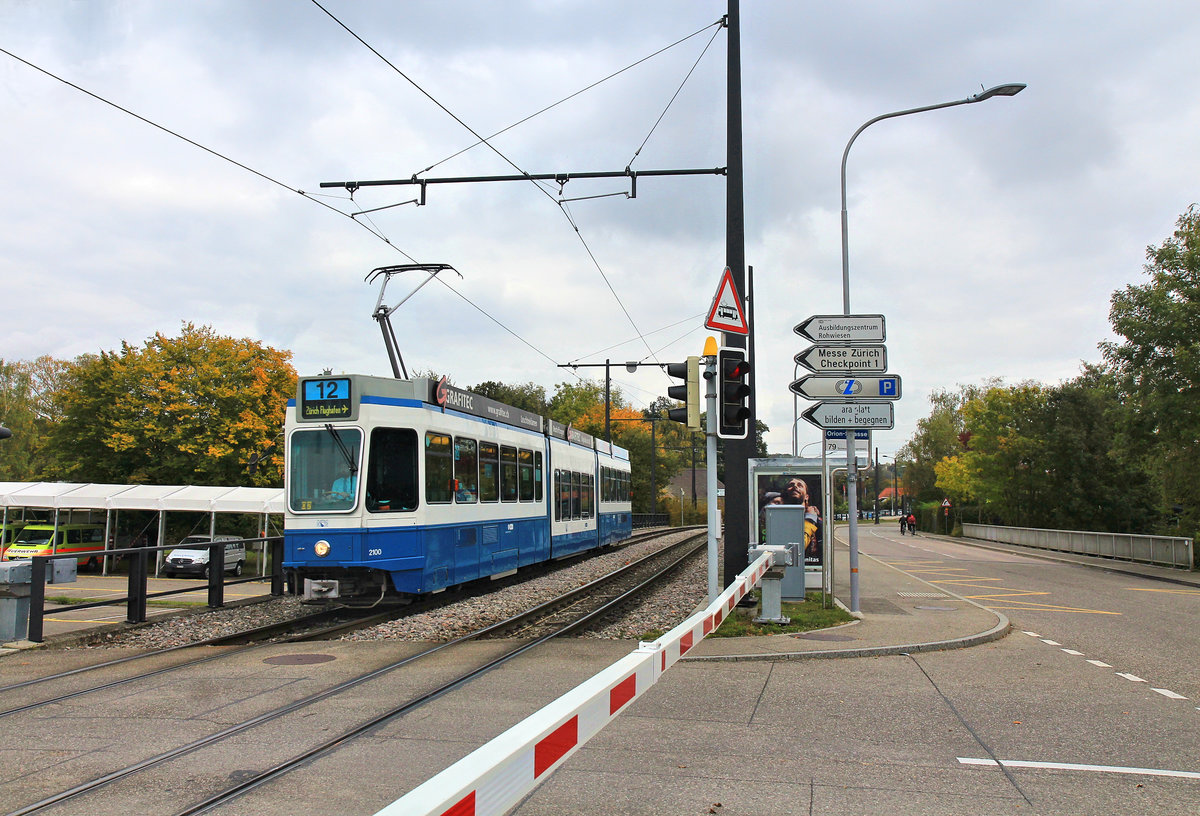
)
(900, 614)
(905, 614)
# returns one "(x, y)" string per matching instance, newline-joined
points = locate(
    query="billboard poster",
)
(799, 486)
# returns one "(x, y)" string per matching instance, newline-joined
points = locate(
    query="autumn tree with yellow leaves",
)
(191, 409)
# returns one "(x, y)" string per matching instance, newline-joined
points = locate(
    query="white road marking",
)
(1169, 693)
(1071, 766)
(1131, 677)
(1049, 642)
(1033, 634)
(1073, 652)
(1101, 664)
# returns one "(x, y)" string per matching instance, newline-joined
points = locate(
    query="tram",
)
(410, 486)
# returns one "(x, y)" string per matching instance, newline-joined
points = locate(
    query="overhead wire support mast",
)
(558, 178)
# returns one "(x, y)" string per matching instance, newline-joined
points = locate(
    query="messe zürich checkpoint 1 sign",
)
(862, 359)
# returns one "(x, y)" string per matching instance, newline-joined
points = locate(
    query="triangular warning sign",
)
(726, 313)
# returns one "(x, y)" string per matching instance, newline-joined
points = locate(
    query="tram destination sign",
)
(852, 415)
(867, 328)
(841, 386)
(868, 359)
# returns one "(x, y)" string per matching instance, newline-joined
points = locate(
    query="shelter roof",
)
(193, 498)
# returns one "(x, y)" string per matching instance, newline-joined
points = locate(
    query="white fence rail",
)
(1164, 551)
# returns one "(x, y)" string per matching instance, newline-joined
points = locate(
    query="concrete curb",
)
(1001, 628)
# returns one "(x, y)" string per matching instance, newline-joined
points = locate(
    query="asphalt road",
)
(1083, 703)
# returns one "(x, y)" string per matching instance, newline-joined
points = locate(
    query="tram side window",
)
(392, 471)
(439, 468)
(537, 476)
(576, 499)
(489, 472)
(508, 474)
(525, 474)
(466, 471)
(587, 489)
(558, 494)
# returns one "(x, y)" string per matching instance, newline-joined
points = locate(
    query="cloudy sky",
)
(990, 235)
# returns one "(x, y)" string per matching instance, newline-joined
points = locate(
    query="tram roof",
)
(195, 498)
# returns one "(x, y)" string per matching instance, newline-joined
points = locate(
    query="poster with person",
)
(794, 489)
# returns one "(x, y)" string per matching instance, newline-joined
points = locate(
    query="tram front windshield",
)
(323, 469)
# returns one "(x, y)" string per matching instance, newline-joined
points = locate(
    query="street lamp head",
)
(5, 433)
(1011, 89)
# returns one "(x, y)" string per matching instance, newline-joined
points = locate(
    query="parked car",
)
(40, 539)
(190, 556)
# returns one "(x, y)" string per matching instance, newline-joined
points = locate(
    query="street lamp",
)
(1011, 89)
(5, 433)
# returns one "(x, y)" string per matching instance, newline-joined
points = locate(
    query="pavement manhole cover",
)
(299, 659)
(821, 636)
(938, 608)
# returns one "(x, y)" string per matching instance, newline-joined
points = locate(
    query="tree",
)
(1157, 369)
(188, 409)
(26, 409)
(528, 397)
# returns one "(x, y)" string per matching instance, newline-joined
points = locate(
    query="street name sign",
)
(820, 386)
(850, 415)
(843, 328)
(835, 440)
(870, 359)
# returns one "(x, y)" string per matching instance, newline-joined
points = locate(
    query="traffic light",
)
(688, 393)
(733, 393)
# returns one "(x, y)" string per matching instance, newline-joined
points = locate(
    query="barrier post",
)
(135, 609)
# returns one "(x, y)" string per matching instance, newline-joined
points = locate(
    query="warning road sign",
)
(726, 313)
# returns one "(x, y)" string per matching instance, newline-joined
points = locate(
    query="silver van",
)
(190, 556)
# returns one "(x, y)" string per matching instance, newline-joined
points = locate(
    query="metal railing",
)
(641, 520)
(1167, 551)
(139, 573)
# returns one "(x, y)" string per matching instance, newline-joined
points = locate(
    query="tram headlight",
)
(321, 548)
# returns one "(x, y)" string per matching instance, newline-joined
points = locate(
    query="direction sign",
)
(870, 359)
(851, 415)
(819, 386)
(843, 328)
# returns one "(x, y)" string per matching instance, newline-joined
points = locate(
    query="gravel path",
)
(658, 612)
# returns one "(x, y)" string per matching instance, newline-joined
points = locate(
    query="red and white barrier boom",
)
(496, 776)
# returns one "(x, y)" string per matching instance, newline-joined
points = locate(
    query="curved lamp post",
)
(1011, 89)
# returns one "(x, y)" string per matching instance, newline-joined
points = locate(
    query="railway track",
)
(570, 612)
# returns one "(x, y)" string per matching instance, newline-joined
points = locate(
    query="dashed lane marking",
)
(1101, 664)
(1169, 693)
(1132, 678)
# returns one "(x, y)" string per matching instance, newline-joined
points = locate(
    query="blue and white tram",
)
(411, 486)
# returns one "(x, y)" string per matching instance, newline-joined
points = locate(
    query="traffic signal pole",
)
(710, 470)
(737, 451)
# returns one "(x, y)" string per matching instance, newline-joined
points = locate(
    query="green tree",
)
(26, 409)
(177, 410)
(1157, 369)
(528, 397)
(939, 435)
